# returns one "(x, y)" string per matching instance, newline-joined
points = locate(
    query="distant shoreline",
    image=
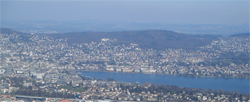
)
(229, 84)
(165, 74)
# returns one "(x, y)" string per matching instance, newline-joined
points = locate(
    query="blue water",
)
(229, 84)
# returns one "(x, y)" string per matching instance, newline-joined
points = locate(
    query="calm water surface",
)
(230, 84)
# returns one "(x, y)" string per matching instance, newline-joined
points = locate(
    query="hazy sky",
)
(169, 11)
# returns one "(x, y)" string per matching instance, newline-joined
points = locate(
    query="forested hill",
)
(156, 39)
(9, 31)
(243, 35)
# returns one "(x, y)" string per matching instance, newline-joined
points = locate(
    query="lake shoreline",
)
(229, 84)
(180, 75)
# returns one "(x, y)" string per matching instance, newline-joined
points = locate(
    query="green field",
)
(79, 89)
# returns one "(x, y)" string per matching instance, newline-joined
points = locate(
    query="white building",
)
(2, 71)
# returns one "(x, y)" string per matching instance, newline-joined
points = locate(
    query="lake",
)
(229, 84)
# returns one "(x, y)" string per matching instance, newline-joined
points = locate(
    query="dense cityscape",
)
(39, 67)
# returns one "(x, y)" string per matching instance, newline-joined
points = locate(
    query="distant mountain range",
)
(88, 25)
(156, 39)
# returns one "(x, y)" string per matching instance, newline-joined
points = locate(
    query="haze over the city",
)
(195, 17)
(124, 50)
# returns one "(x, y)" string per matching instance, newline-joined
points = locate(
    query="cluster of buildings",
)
(45, 64)
(84, 89)
(45, 52)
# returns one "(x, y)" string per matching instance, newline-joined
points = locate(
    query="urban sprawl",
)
(41, 68)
